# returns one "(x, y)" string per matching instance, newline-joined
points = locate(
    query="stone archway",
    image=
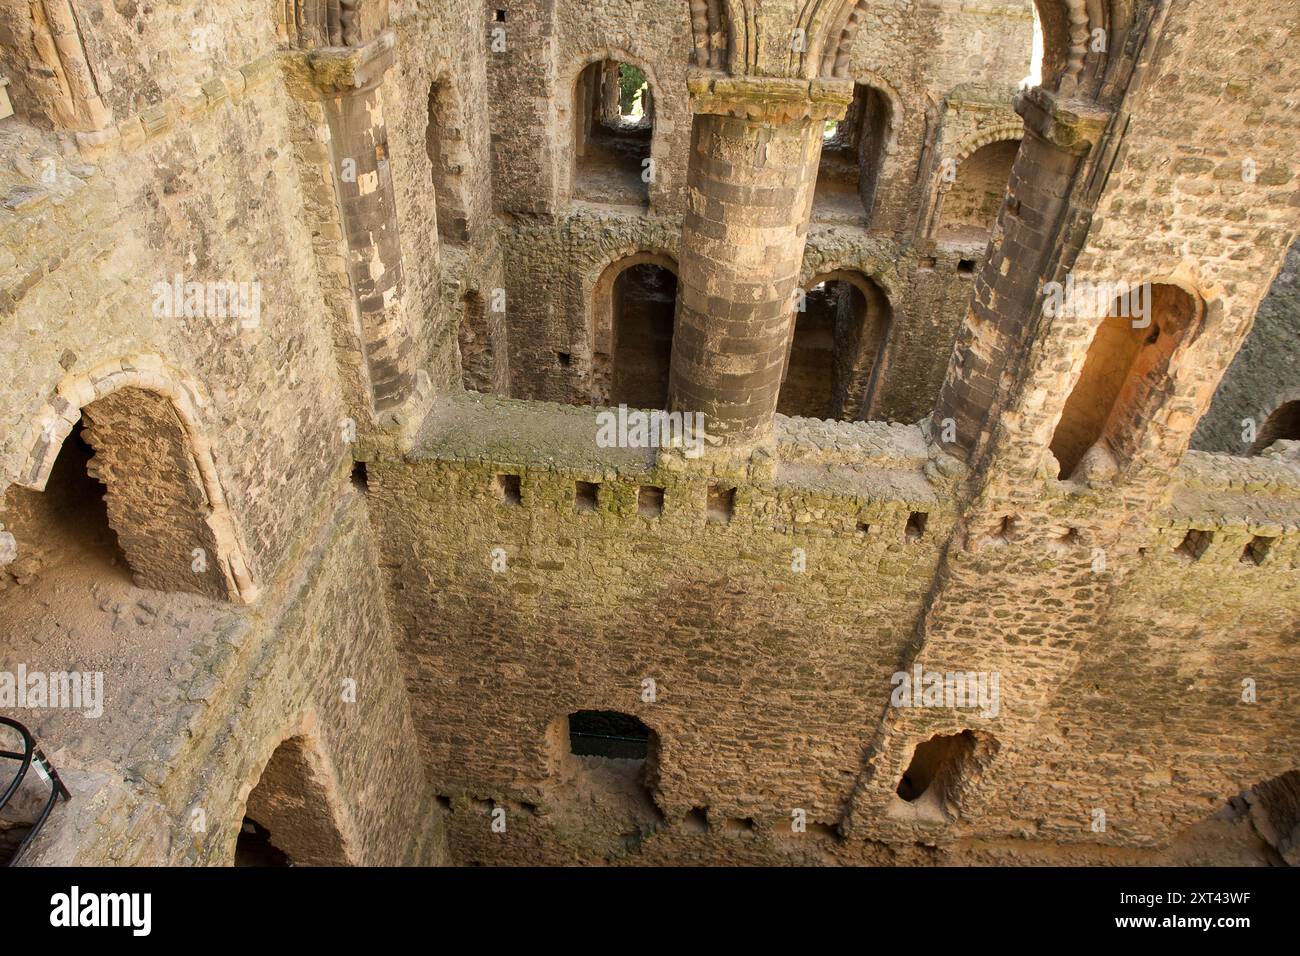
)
(293, 809)
(165, 499)
(614, 344)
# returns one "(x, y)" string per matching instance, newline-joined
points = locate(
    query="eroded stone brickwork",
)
(309, 313)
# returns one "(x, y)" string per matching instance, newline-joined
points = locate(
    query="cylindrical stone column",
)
(1033, 240)
(755, 146)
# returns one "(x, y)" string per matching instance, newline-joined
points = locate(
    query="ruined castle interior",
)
(311, 310)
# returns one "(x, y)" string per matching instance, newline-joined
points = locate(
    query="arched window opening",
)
(1124, 375)
(155, 496)
(969, 209)
(484, 358)
(808, 390)
(1282, 425)
(613, 126)
(853, 150)
(444, 144)
(632, 332)
(289, 819)
(836, 350)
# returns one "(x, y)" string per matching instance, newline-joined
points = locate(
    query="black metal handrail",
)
(31, 754)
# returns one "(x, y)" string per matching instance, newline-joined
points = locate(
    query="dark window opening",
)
(508, 489)
(966, 265)
(67, 523)
(564, 358)
(721, 504)
(696, 820)
(585, 495)
(644, 301)
(936, 763)
(864, 527)
(808, 390)
(444, 803)
(916, 522)
(1194, 544)
(613, 119)
(291, 811)
(499, 16)
(608, 733)
(360, 477)
(834, 362)
(1256, 550)
(649, 501)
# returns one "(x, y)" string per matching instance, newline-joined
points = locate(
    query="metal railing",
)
(31, 756)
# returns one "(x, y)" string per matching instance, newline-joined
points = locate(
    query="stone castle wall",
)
(409, 643)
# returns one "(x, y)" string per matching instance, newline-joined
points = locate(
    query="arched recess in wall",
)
(1124, 381)
(292, 816)
(1282, 424)
(837, 348)
(612, 130)
(444, 144)
(1074, 62)
(484, 351)
(632, 310)
(966, 208)
(854, 150)
(164, 499)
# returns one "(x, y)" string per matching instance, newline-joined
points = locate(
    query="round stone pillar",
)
(755, 146)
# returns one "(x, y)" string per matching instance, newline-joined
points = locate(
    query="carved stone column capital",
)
(777, 101)
(1075, 125)
(339, 70)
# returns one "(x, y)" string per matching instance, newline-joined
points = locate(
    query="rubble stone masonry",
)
(304, 307)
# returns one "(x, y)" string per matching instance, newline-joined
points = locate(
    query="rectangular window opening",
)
(721, 504)
(649, 501)
(508, 490)
(585, 495)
